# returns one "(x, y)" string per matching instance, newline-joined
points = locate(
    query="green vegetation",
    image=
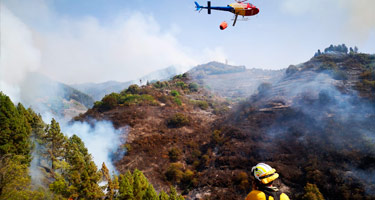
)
(178, 120)
(161, 85)
(124, 98)
(174, 154)
(312, 193)
(68, 171)
(193, 87)
(182, 85)
(178, 101)
(175, 93)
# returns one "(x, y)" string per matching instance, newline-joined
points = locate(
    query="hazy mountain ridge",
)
(232, 81)
(49, 96)
(98, 90)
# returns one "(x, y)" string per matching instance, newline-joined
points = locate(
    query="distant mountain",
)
(48, 96)
(160, 75)
(98, 90)
(232, 81)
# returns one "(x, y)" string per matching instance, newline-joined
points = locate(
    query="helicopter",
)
(239, 8)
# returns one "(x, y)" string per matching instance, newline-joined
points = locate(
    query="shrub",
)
(182, 85)
(108, 102)
(193, 87)
(160, 85)
(133, 89)
(202, 104)
(178, 77)
(174, 172)
(128, 99)
(188, 178)
(217, 138)
(174, 154)
(312, 193)
(178, 120)
(178, 101)
(241, 179)
(175, 93)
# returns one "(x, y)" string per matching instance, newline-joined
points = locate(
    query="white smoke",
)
(85, 49)
(101, 139)
(18, 55)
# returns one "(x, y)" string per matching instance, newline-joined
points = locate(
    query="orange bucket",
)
(223, 25)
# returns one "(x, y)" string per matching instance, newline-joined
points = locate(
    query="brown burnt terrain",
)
(314, 125)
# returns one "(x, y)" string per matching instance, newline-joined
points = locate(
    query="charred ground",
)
(315, 125)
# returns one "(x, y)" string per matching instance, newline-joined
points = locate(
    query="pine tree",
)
(140, 184)
(14, 129)
(173, 194)
(163, 196)
(150, 193)
(126, 186)
(106, 177)
(55, 143)
(82, 176)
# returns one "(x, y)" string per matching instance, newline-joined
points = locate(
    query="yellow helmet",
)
(264, 173)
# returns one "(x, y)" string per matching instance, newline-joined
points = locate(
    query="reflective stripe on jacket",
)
(259, 195)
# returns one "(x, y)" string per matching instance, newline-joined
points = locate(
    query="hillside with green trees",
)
(37, 161)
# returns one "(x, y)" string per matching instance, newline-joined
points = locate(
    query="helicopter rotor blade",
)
(209, 7)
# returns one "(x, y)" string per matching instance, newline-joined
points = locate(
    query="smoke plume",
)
(101, 139)
(18, 54)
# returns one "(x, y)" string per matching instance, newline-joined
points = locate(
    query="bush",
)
(178, 101)
(217, 138)
(174, 154)
(108, 102)
(178, 120)
(133, 89)
(129, 99)
(160, 85)
(174, 172)
(202, 104)
(193, 87)
(188, 178)
(182, 85)
(175, 93)
(312, 193)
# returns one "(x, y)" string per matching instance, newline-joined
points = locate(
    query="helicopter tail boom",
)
(197, 6)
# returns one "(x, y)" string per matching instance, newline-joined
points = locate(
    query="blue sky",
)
(100, 40)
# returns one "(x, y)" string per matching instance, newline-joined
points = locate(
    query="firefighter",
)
(262, 184)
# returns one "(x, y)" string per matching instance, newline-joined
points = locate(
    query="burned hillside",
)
(314, 125)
